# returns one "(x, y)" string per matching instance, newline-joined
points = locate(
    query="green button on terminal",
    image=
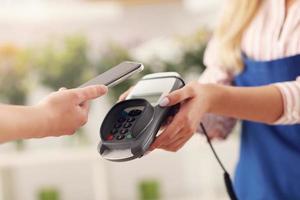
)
(129, 136)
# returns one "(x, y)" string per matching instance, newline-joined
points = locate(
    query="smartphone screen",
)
(116, 74)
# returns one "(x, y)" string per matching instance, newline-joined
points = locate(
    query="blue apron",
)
(269, 164)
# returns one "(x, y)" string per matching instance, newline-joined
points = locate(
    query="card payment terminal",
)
(131, 126)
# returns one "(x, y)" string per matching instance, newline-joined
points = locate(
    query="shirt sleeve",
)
(290, 92)
(216, 126)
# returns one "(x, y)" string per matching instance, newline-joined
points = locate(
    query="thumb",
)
(62, 89)
(176, 97)
(90, 92)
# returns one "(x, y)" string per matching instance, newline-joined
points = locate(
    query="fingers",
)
(82, 95)
(175, 143)
(90, 92)
(183, 136)
(166, 122)
(175, 146)
(181, 129)
(125, 94)
(169, 134)
(179, 96)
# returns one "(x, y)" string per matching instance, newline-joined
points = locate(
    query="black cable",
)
(227, 179)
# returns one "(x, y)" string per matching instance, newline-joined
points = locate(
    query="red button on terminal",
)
(110, 137)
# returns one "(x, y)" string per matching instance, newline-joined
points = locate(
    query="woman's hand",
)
(125, 94)
(194, 99)
(65, 111)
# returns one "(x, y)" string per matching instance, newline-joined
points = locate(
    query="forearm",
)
(263, 104)
(20, 122)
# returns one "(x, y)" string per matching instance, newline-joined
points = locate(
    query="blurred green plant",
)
(149, 190)
(65, 64)
(14, 70)
(48, 194)
(192, 49)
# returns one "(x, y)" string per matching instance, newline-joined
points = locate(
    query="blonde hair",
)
(228, 35)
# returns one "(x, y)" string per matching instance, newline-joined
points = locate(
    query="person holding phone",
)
(61, 113)
(256, 50)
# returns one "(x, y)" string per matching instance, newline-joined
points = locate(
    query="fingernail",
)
(62, 88)
(164, 102)
(104, 88)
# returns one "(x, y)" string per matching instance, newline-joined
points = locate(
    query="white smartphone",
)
(116, 74)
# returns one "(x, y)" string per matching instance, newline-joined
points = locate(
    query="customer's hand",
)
(194, 101)
(67, 110)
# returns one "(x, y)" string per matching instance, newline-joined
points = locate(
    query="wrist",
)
(42, 118)
(211, 95)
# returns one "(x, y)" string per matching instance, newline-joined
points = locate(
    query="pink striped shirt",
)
(271, 35)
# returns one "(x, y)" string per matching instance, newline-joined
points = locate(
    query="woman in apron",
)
(256, 49)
